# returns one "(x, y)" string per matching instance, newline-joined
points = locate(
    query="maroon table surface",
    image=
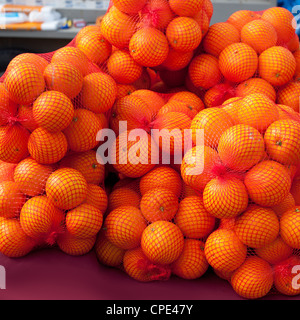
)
(50, 274)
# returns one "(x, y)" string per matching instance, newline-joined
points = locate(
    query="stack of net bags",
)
(199, 166)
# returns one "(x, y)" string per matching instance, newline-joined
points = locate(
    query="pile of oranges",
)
(232, 202)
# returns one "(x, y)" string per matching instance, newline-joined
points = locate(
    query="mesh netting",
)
(158, 74)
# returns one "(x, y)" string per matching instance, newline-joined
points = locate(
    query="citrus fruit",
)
(276, 65)
(124, 90)
(241, 17)
(268, 183)
(123, 196)
(282, 141)
(218, 94)
(162, 242)
(97, 197)
(130, 6)
(99, 92)
(295, 190)
(26, 119)
(7, 107)
(241, 147)
(24, 83)
(193, 219)
(124, 227)
(82, 133)
(224, 251)
(94, 28)
(84, 221)
(253, 279)
(66, 188)
(192, 263)
(184, 34)
(159, 204)
(219, 36)
(32, 58)
(257, 226)
(53, 111)
(238, 62)
(290, 226)
(225, 197)
(14, 242)
(186, 8)
(31, 176)
(190, 98)
(7, 171)
(63, 77)
(149, 47)
(275, 252)
(47, 147)
(289, 95)
(177, 60)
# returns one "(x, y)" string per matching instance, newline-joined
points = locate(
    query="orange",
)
(26, 119)
(32, 58)
(13, 143)
(162, 242)
(124, 90)
(38, 218)
(257, 111)
(289, 95)
(290, 227)
(275, 252)
(294, 44)
(63, 77)
(169, 132)
(208, 8)
(203, 20)
(24, 83)
(204, 71)
(160, 177)
(159, 204)
(123, 196)
(130, 6)
(84, 221)
(282, 20)
(14, 242)
(31, 176)
(82, 133)
(225, 197)
(74, 246)
(47, 147)
(134, 158)
(238, 62)
(97, 197)
(268, 183)
(254, 279)
(198, 165)
(193, 219)
(286, 281)
(73, 56)
(287, 204)
(11, 199)
(124, 227)
(295, 190)
(286, 112)
(282, 141)
(187, 191)
(94, 28)
(95, 48)
(86, 163)
(117, 28)
(277, 65)
(257, 226)
(241, 147)
(186, 8)
(256, 85)
(259, 34)
(296, 55)
(107, 253)
(224, 251)
(53, 111)
(153, 99)
(141, 269)
(219, 36)
(7, 171)
(66, 188)
(231, 106)
(223, 275)
(132, 109)
(123, 68)
(214, 121)
(178, 106)
(191, 98)
(218, 94)
(241, 17)
(149, 47)
(192, 263)
(177, 60)
(184, 34)
(7, 107)
(157, 14)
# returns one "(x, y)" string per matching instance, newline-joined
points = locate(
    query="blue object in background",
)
(290, 4)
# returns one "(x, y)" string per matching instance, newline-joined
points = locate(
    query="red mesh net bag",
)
(200, 166)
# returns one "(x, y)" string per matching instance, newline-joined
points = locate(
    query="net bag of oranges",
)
(178, 209)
